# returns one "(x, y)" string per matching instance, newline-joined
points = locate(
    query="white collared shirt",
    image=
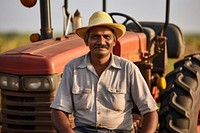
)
(104, 101)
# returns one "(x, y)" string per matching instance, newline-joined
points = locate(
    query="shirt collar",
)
(115, 62)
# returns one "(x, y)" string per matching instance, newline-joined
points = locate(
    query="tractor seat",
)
(150, 33)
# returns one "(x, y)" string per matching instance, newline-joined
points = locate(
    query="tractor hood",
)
(50, 56)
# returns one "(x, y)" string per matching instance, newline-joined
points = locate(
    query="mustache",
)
(98, 45)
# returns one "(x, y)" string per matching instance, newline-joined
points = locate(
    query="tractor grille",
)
(24, 112)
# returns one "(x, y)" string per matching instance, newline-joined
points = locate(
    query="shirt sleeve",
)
(140, 93)
(63, 98)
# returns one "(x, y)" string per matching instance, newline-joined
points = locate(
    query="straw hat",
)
(102, 19)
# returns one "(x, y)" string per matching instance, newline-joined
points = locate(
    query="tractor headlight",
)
(32, 83)
(9, 82)
(37, 83)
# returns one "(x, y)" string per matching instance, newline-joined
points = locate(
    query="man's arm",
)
(150, 122)
(61, 121)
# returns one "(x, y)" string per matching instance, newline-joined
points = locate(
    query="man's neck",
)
(100, 61)
(100, 64)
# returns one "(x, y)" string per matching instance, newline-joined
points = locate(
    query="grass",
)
(9, 41)
(192, 45)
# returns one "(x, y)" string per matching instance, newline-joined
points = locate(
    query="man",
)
(100, 88)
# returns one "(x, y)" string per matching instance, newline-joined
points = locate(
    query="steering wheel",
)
(127, 18)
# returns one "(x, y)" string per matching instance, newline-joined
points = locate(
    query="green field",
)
(9, 41)
(192, 45)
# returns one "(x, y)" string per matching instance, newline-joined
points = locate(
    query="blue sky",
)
(184, 13)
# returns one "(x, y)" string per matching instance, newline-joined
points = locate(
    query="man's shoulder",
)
(77, 61)
(123, 61)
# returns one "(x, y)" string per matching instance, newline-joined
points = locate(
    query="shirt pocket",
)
(117, 98)
(82, 98)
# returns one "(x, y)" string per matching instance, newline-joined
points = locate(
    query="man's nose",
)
(102, 40)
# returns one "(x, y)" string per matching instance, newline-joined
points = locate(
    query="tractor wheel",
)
(179, 109)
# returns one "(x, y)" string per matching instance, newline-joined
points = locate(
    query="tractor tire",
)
(179, 103)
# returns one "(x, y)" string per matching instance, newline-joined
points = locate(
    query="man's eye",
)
(95, 37)
(107, 37)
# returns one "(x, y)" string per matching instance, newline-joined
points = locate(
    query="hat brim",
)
(119, 29)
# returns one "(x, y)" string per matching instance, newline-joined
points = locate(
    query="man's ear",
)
(86, 40)
(115, 41)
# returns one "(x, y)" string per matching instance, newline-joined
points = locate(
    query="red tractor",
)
(30, 74)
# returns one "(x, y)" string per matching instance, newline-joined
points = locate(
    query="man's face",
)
(101, 41)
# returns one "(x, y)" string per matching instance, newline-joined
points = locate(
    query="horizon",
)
(17, 18)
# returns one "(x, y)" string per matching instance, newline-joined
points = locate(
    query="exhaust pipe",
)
(45, 15)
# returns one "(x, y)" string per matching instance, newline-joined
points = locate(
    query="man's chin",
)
(102, 54)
